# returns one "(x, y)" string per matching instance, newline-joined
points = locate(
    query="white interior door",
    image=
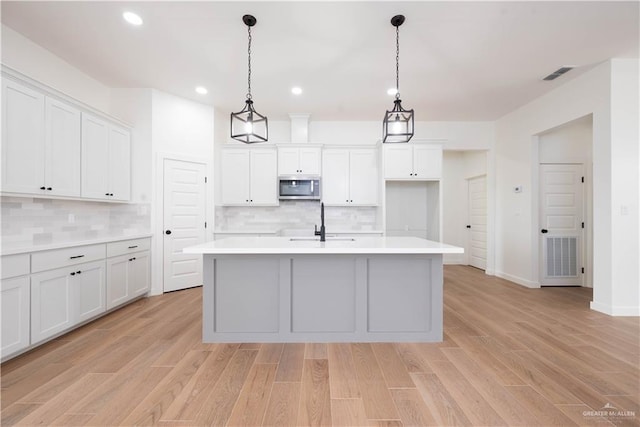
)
(561, 224)
(184, 222)
(477, 225)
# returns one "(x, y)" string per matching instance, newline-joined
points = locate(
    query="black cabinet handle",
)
(130, 259)
(73, 274)
(133, 247)
(167, 232)
(42, 188)
(49, 188)
(77, 256)
(111, 194)
(134, 258)
(78, 272)
(106, 194)
(468, 226)
(544, 231)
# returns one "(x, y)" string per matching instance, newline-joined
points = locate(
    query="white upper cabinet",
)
(23, 155)
(106, 160)
(249, 177)
(299, 160)
(62, 149)
(412, 161)
(350, 177)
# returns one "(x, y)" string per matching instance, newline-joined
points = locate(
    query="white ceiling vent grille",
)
(557, 73)
(562, 257)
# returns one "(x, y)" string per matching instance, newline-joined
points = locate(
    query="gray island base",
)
(359, 291)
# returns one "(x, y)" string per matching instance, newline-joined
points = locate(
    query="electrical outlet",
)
(72, 218)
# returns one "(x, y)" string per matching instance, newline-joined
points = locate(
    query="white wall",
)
(180, 129)
(610, 93)
(23, 55)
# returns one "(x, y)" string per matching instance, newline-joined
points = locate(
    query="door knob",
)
(544, 231)
(167, 232)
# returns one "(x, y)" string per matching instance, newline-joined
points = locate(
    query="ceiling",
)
(458, 60)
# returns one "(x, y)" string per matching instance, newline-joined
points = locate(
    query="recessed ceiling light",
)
(202, 90)
(392, 91)
(132, 18)
(296, 90)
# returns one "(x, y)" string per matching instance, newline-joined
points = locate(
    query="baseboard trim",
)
(612, 310)
(517, 280)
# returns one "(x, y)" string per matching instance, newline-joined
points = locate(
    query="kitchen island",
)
(364, 289)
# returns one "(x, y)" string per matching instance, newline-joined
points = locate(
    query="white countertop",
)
(293, 245)
(13, 250)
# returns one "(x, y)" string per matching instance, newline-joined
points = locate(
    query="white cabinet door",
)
(22, 139)
(235, 177)
(335, 177)
(139, 274)
(88, 291)
(363, 177)
(95, 158)
(15, 315)
(263, 178)
(117, 280)
(51, 303)
(62, 149)
(119, 163)
(309, 161)
(398, 161)
(427, 162)
(288, 163)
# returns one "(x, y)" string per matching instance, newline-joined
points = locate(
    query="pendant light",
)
(248, 125)
(398, 123)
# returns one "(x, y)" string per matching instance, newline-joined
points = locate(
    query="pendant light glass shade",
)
(398, 123)
(247, 125)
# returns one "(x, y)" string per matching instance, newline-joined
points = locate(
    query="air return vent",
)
(562, 257)
(557, 73)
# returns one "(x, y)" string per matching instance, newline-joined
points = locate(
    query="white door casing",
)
(561, 224)
(477, 223)
(184, 222)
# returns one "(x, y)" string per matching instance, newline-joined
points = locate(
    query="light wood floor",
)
(511, 356)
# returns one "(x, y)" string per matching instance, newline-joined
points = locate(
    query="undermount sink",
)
(317, 239)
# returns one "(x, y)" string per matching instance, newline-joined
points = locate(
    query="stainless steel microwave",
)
(299, 187)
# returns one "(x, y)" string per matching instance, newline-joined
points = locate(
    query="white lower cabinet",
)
(127, 277)
(64, 297)
(46, 293)
(15, 314)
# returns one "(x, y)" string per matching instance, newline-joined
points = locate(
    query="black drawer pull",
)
(133, 247)
(49, 188)
(73, 274)
(77, 256)
(42, 188)
(78, 272)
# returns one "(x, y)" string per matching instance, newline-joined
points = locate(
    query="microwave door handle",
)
(312, 186)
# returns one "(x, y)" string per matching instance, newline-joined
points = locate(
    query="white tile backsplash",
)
(298, 214)
(34, 221)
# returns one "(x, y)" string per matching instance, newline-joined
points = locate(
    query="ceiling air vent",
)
(557, 73)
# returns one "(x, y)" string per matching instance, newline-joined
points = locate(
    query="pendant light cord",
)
(398, 62)
(249, 56)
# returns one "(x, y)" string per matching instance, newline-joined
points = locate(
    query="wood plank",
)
(193, 397)
(475, 407)
(348, 413)
(376, 397)
(291, 362)
(443, 407)
(577, 414)
(315, 351)
(12, 414)
(153, 406)
(282, 409)
(543, 411)
(342, 373)
(315, 401)
(56, 407)
(412, 358)
(269, 353)
(394, 371)
(223, 397)
(251, 405)
(413, 410)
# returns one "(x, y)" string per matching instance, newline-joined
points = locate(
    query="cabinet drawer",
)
(47, 260)
(128, 246)
(15, 265)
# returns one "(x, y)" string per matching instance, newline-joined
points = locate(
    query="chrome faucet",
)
(321, 233)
